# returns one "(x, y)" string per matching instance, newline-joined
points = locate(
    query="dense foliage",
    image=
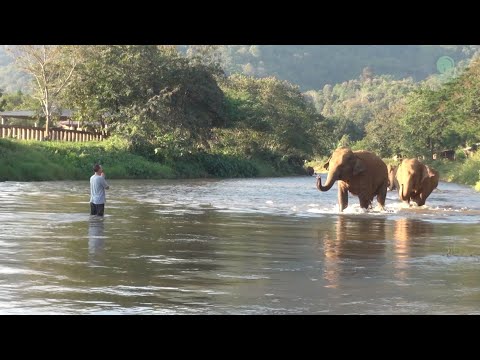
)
(183, 111)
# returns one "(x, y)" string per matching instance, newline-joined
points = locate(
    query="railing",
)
(55, 134)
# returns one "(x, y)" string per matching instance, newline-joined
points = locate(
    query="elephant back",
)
(374, 164)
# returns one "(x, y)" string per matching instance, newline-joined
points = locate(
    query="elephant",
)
(430, 183)
(310, 171)
(416, 181)
(392, 180)
(362, 173)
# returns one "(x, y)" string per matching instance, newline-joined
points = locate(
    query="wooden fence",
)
(55, 134)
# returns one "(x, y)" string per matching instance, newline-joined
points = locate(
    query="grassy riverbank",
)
(462, 171)
(37, 161)
(41, 161)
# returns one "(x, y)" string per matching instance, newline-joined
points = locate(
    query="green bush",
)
(219, 165)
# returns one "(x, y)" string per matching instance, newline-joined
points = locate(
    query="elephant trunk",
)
(328, 185)
(405, 191)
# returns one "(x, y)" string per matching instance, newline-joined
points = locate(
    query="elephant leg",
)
(425, 194)
(342, 197)
(382, 195)
(365, 202)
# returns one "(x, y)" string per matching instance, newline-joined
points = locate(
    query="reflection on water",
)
(242, 246)
(407, 234)
(351, 238)
(402, 238)
(96, 237)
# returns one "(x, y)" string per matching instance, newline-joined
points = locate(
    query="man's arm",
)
(105, 185)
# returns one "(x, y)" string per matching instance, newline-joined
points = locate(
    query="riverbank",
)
(44, 161)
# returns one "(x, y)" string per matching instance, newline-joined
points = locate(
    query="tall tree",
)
(147, 91)
(426, 125)
(464, 102)
(384, 134)
(276, 108)
(52, 67)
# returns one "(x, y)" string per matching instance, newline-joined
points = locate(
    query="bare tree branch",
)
(52, 68)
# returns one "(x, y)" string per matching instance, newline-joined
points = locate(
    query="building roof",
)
(26, 114)
(18, 114)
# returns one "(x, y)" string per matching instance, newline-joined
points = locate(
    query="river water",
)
(235, 246)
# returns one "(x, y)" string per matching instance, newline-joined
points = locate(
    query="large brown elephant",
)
(416, 181)
(392, 180)
(361, 172)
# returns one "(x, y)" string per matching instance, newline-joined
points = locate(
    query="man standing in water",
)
(97, 191)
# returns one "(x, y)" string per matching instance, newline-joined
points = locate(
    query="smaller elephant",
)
(429, 183)
(310, 171)
(392, 179)
(416, 181)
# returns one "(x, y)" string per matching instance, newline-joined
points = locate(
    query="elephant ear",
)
(358, 167)
(327, 163)
(431, 172)
(425, 173)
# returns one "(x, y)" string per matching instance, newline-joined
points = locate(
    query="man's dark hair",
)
(96, 167)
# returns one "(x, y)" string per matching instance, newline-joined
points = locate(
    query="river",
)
(235, 246)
